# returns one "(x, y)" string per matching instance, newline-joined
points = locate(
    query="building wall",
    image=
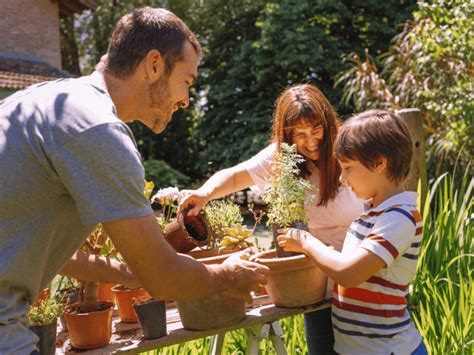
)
(30, 28)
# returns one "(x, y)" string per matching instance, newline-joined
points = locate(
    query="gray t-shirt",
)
(67, 162)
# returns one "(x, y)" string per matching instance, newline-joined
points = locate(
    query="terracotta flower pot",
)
(47, 337)
(89, 330)
(105, 292)
(187, 232)
(125, 299)
(210, 256)
(293, 281)
(211, 312)
(152, 318)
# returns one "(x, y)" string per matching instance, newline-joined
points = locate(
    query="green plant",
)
(45, 312)
(164, 175)
(222, 214)
(288, 192)
(443, 290)
(235, 238)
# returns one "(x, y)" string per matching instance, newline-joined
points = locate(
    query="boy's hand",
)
(292, 239)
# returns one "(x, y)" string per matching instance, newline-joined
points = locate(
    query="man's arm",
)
(88, 267)
(168, 275)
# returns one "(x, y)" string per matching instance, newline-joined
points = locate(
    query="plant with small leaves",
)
(287, 193)
(46, 312)
(220, 215)
(167, 198)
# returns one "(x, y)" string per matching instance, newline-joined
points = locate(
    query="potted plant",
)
(43, 317)
(287, 193)
(183, 232)
(294, 279)
(89, 321)
(151, 315)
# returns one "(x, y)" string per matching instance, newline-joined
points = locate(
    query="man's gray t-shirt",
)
(67, 162)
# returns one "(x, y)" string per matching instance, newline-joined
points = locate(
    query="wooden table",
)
(260, 323)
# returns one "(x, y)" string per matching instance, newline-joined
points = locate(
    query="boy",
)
(379, 257)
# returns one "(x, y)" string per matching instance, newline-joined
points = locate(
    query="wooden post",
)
(413, 120)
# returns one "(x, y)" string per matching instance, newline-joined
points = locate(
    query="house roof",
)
(69, 7)
(19, 73)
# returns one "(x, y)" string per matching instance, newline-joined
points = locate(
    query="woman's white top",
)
(327, 223)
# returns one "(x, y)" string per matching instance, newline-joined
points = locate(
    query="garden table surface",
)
(260, 322)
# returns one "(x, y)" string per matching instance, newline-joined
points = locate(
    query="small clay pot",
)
(105, 292)
(125, 299)
(187, 232)
(152, 318)
(279, 250)
(293, 281)
(89, 330)
(211, 312)
(47, 337)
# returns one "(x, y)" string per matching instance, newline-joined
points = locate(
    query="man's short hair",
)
(142, 30)
(370, 135)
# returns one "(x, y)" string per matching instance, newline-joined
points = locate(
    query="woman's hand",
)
(195, 200)
(292, 239)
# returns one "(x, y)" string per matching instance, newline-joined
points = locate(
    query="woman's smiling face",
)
(307, 139)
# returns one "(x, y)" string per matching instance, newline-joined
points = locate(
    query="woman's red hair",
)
(306, 103)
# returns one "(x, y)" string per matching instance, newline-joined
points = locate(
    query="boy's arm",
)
(347, 271)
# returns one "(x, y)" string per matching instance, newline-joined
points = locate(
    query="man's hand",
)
(193, 199)
(292, 239)
(246, 275)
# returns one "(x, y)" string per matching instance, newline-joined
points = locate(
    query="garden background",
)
(362, 54)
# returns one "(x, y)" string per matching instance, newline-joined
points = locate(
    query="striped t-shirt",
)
(373, 317)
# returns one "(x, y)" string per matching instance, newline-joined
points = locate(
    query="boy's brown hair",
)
(370, 135)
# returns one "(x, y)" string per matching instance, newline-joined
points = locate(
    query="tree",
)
(428, 66)
(257, 48)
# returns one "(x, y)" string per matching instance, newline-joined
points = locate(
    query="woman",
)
(303, 116)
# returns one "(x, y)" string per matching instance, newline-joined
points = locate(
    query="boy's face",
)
(363, 181)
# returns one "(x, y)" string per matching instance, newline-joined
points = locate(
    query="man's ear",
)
(381, 165)
(154, 65)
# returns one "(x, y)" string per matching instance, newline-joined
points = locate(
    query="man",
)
(68, 161)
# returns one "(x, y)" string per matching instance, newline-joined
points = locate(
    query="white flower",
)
(166, 196)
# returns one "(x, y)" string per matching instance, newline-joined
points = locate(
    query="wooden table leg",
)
(275, 336)
(217, 343)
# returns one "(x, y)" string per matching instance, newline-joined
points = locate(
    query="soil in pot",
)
(187, 232)
(211, 312)
(293, 281)
(152, 318)
(89, 330)
(125, 299)
(47, 338)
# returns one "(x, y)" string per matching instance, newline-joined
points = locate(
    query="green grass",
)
(442, 297)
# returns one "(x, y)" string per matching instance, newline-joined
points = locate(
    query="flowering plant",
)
(167, 198)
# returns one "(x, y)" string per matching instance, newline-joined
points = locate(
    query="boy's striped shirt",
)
(373, 317)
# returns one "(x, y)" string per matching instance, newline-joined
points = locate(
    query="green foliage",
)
(254, 49)
(287, 193)
(164, 175)
(443, 290)
(222, 214)
(429, 66)
(45, 312)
